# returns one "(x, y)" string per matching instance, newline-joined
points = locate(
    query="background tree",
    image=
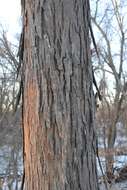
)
(58, 105)
(112, 35)
(10, 122)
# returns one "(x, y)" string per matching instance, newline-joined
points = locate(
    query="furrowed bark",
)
(58, 111)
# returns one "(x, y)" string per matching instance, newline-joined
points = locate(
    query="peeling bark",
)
(58, 114)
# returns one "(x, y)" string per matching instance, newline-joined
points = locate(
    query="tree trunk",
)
(112, 134)
(58, 114)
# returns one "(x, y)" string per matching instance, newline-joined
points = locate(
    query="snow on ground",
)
(117, 186)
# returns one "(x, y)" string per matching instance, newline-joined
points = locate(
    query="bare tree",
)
(112, 29)
(10, 123)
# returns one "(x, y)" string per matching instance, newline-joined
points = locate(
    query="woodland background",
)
(110, 69)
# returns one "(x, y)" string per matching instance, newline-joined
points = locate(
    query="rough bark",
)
(58, 114)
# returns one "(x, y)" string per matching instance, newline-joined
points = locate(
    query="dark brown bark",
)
(58, 114)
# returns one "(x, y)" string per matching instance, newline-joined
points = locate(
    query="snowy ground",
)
(117, 186)
(120, 160)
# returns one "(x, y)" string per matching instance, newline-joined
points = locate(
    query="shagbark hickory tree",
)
(58, 114)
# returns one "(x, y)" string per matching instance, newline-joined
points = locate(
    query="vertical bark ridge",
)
(58, 99)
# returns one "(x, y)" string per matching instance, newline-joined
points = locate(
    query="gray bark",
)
(58, 114)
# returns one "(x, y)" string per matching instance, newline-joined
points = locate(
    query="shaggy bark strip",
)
(58, 116)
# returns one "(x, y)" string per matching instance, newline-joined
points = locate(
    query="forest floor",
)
(116, 186)
(120, 159)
